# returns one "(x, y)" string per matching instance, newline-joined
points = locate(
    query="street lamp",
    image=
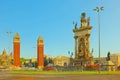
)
(71, 54)
(9, 42)
(9, 33)
(34, 56)
(99, 9)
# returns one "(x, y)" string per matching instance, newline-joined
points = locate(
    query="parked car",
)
(47, 68)
(118, 67)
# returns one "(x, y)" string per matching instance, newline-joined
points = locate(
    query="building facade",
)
(6, 60)
(61, 61)
(115, 58)
(113, 62)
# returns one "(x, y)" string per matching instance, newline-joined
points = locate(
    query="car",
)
(48, 68)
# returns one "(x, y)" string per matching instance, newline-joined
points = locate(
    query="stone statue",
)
(88, 21)
(75, 24)
(83, 15)
(108, 56)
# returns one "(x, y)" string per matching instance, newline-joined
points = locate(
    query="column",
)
(75, 44)
(88, 45)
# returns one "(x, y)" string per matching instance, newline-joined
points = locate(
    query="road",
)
(6, 76)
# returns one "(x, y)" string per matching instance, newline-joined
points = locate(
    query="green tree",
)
(22, 61)
(45, 61)
(50, 60)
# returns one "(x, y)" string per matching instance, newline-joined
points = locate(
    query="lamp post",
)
(9, 33)
(98, 10)
(9, 42)
(34, 56)
(71, 54)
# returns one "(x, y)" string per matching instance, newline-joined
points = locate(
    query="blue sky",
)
(52, 19)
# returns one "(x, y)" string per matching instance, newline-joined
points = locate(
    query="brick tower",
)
(16, 47)
(40, 52)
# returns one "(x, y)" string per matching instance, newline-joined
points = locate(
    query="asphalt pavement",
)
(7, 76)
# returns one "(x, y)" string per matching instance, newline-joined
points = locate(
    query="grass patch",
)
(63, 72)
